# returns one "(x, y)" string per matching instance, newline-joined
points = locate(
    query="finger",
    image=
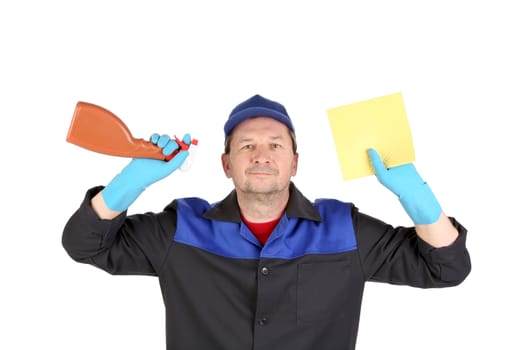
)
(170, 147)
(163, 141)
(186, 139)
(154, 138)
(377, 163)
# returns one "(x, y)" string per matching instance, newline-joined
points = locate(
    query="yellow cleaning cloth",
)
(380, 123)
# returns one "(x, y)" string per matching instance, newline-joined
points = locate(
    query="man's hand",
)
(124, 189)
(414, 194)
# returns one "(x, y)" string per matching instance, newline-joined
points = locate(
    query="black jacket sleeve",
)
(397, 255)
(135, 244)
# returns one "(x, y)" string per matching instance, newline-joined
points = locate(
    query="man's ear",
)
(295, 164)
(225, 159)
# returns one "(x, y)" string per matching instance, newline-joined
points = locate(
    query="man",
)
(264, 268)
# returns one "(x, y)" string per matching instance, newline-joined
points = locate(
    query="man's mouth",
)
(261, 171)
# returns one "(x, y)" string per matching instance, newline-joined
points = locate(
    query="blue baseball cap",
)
(257, 106)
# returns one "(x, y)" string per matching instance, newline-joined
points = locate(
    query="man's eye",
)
(276, 145)
(247, 147)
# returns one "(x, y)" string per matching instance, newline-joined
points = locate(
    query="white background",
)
(177, 67)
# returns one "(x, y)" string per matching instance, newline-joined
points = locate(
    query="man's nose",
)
(261, 155)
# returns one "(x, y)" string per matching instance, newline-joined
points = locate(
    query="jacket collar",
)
(298, 206)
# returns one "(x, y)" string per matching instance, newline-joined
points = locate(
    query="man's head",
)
(260, 149)
(257, 106)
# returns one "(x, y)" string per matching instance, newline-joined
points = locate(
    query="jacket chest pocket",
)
(323, 290)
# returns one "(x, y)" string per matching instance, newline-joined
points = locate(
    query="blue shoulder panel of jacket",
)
(292, 237)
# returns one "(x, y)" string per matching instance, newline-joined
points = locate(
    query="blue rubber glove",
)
(415, 195)
(125, 188)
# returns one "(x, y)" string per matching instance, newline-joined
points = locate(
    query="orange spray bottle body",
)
(99, 130)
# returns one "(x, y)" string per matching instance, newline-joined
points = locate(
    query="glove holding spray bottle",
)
(140, 173)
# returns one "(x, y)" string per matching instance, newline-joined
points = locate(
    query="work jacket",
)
(223, 290)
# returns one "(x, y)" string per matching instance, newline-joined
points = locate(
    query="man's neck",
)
(262, 207)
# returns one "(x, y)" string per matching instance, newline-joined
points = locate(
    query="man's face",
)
(261, 158)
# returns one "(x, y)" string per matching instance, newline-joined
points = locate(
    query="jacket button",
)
(262, 321)
(265, 271)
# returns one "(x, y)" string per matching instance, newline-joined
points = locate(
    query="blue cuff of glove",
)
(421, 205)
(118, 196)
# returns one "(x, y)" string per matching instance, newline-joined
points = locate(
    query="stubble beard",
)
(262, 193)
